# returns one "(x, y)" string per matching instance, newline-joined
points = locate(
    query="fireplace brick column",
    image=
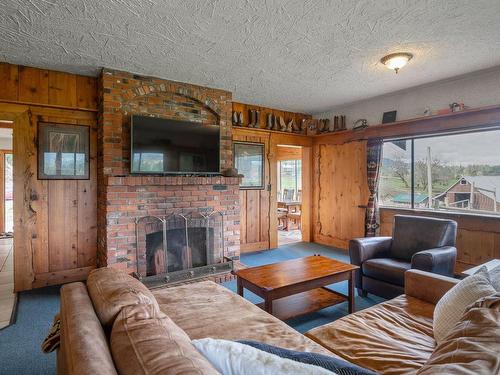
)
(123, 197)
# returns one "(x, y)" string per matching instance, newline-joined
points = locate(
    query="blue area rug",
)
(298, 250)
(20, 343)
(20, 352)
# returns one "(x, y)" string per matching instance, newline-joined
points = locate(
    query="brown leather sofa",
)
(103, 319)
(113, 324)
(423, 243)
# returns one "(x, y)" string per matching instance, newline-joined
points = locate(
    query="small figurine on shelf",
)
(270, 121)
(360, 124)
(282, 124)
(276, 125)
(289, 126)
(235, 118)
(251, 115)
(312, 127)
(303, 126)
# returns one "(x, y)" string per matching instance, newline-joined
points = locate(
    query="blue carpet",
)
(20, 343)
(297, 250)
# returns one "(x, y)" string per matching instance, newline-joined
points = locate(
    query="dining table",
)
(289, 206)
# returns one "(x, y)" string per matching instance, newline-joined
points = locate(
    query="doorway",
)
(289, 194)
(6, 224)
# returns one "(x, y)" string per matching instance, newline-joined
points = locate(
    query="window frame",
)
(412, 172)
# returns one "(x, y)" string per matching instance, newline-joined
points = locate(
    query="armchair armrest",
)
(439, 260)
(361, 249)
(426, 286)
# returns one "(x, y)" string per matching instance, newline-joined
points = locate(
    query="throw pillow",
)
(453, 304)
(473, 344)
(331, 363)
(233, 358)
(495, 277)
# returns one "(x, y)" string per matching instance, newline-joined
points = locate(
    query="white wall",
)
(477, 89)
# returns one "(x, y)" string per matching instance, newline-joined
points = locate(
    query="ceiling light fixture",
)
(396, 60)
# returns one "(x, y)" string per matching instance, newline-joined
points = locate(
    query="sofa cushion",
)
(473, 344)
(111, 289)
(206, 309)
(412, 234)
(84, 346)
(386, 269)
(394, 337)
(453, 304)
(145, 341)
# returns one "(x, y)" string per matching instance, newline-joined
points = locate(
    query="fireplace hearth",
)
(180, 247)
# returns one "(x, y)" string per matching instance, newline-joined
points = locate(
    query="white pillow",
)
(234, 358)
(453, 304)
(494, 275)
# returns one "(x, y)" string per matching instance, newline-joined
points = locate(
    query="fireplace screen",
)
(180, 246)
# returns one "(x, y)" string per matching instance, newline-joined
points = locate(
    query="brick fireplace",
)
(122, 197)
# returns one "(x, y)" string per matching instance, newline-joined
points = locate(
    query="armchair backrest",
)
(412, 234)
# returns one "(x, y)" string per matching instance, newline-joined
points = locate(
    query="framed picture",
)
(63, 151)
(249, 160)
(389, 117)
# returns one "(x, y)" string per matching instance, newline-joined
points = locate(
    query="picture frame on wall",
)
(63, 151)
(389, 117)
(249, 161)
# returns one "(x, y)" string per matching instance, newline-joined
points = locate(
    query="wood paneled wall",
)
(288, 153)
(340, 188)
(478, 237)
(55, 221)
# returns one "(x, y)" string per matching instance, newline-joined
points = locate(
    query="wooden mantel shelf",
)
(483, 117)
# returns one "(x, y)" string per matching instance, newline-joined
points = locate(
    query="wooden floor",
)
(7, 295)
(289, 236)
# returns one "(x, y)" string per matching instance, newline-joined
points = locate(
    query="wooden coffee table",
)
(296, 287)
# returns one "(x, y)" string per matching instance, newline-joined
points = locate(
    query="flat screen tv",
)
(160, 146)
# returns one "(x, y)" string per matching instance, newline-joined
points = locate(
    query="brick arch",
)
(157, 89)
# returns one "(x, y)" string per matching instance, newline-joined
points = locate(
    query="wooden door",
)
(255, 204)
(340, 193)
(55, 221)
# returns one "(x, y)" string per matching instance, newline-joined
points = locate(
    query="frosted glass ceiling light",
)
(396, 61)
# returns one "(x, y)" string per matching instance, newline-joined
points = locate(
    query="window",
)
(290, 178)
(454, 172)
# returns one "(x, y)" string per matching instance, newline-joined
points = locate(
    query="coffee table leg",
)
(239, 285)
(268, 305)
(351, 292)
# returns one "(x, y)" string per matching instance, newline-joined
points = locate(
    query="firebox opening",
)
(197, 253)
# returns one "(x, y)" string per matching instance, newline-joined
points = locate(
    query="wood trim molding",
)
(55, 106)
(484, 117)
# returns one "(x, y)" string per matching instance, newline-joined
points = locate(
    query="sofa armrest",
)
(426, 286)
(361, 249)
(84, 347)
(439, 260)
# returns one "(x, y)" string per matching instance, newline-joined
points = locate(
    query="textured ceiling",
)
(302, 55)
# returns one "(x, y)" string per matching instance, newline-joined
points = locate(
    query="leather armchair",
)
(422, 243)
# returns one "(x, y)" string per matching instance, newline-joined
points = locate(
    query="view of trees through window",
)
(451, 172)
